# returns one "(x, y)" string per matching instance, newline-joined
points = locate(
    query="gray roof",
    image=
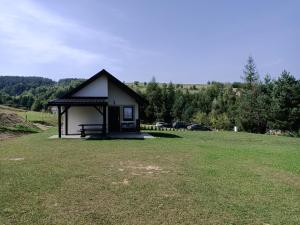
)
(79, 101)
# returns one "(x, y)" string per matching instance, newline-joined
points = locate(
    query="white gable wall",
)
(118, 97)
(98, 88)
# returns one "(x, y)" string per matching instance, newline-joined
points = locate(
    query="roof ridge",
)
(110, 77)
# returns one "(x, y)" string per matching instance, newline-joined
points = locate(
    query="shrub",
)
(201, 118)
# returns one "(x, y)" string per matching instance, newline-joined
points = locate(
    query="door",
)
(114, 118)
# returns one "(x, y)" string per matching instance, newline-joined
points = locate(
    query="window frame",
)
(132, 114)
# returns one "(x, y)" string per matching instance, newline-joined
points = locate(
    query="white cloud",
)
(32, 35)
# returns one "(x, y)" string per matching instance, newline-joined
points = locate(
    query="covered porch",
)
(84, 118)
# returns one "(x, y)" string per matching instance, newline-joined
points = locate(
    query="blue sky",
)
(180, 41)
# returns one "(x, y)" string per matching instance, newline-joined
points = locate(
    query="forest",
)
(256, 104)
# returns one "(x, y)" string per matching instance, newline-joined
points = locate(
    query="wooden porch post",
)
(66, 120)
(104, 119)
(59, 121)
(138, 121)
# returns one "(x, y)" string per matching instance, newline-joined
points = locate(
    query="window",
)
(128, 113)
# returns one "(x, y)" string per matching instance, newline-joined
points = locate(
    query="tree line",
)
(253, 105)
(257, 105)
(33, 93)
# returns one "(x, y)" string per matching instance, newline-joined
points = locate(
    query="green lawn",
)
(180, 178)
(40, 117)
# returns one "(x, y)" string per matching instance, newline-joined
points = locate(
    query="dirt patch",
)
(147, 168)
(12, 125)
(10, 119)
(13, 159)
(137, 169)
(132, 169)
(170, 195)
(16, 159)
(42, 126)
(124, 182)
(135, 174)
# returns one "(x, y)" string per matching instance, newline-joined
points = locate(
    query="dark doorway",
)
(114, 118)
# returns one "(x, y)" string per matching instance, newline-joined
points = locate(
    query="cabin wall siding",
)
(118, 97)
(98, 88)
(78, 115)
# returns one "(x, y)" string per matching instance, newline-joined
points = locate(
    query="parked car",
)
(179, 124)
(160, 124)
(167, 125)
(198, 127)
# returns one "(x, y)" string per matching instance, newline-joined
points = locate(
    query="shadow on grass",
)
(163, 135)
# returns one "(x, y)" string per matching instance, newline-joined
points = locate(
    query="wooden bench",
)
(128, 126)
(95, 127)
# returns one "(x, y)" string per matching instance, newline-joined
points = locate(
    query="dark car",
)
(179, 125)
(198, 127)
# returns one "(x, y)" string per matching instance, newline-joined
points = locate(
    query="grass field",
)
(31, 116)
(40, 117)
(180, 178)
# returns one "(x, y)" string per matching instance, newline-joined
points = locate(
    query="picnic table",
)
(93, 127)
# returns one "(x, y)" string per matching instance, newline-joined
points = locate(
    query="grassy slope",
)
(197, 178)
(12, 123)
(31, 116)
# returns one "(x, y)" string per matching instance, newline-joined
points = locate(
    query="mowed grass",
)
(39, 117)
(180, 178)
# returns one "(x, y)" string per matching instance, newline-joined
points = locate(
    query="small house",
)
(100, 105)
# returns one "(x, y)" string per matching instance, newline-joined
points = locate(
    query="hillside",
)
(16, 85)
(16, 122)
(141, 86)
(32, 92)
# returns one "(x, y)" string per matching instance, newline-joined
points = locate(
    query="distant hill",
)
(141, 86)
(16, 85)
(68, 81)
(34, 92)
(192, 88)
